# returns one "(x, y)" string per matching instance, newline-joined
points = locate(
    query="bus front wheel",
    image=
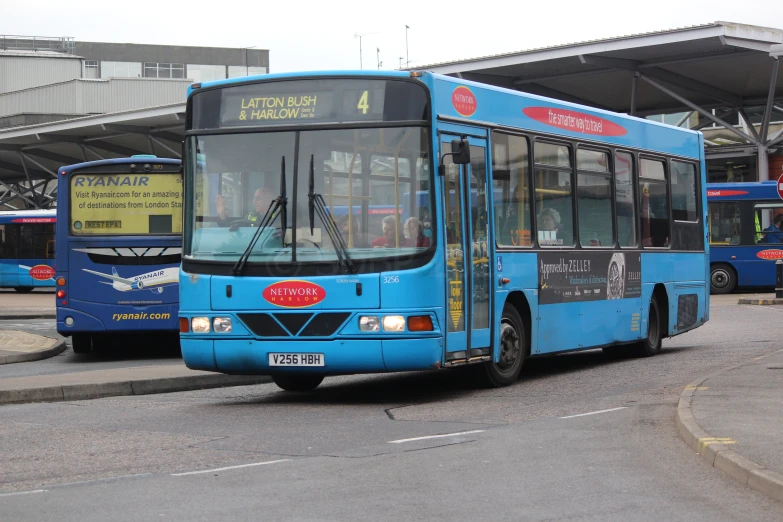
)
(294, 382)
(512, 346)
(723, 278)
(81, 343)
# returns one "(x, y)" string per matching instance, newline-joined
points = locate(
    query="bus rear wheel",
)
(723, 278)
(512, 346)
(293, 382)
(81, 343)
(651, 345)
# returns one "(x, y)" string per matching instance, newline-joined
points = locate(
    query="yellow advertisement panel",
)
(117, 204)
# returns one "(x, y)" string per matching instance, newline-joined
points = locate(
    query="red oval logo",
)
(42, 272)
(574, 121)
(294, 294)
(464, 101)
(770, 254)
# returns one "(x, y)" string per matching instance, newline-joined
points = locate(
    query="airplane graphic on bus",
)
(153, 281)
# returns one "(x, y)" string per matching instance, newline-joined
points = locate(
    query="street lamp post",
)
(407, 58)
(359, 36)
(378, 57)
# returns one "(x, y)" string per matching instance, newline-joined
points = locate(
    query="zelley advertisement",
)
(126, 204)
(569, 277)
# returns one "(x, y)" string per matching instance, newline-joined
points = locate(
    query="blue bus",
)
(119, 231)
(27, 249)
(553, 228)
(745, 241)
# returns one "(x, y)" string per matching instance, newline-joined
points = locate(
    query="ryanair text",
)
(137, 317)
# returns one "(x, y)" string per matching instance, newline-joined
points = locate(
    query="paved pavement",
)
(730, 418)
(38, 304)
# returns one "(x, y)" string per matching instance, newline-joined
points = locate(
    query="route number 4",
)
(363, 105)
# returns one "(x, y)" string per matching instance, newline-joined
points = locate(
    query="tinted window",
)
(554, 217)
(511, 190)
(684, 191)
(624, 199)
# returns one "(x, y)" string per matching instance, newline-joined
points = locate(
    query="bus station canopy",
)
(31, 155)
(714, 65)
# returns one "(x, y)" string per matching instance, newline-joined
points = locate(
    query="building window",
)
(238, 71)
(90, 69)
(206, 73)
(164, 70)
(120, 70)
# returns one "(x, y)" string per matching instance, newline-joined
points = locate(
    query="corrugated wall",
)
(94, 96)
(20, 72)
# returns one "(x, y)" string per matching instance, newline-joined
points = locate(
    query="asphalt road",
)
(344, 452)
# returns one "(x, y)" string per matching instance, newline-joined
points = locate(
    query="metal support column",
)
(634, 85)
(770, 100)
(707, 114)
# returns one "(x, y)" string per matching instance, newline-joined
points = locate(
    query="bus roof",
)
(499, 106)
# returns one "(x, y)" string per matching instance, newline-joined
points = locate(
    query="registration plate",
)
(296, 359)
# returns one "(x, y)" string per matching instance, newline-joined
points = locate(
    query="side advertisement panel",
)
(567, 277)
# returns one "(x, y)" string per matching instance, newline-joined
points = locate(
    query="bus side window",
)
(510, 190)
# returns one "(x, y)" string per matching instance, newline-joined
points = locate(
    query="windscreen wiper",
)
(278, 206)
(317, 205)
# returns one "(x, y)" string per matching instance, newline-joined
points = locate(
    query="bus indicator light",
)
(60, 281)
(184, 325)
(420, 323)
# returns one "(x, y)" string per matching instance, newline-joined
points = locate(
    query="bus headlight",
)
(199, 324)
(393, 323)
(221, 325)
(369, 323)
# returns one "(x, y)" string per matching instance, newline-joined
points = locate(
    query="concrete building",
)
(64, 101)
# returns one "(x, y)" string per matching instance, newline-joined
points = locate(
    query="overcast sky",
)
(316, 35)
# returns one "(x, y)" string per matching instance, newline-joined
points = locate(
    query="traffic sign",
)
(780, 186)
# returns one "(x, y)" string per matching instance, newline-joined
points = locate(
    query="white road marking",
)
(435, 436)
(594, 412)
(23, 492)
(228, 467)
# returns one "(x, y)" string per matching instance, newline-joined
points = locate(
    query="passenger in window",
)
(427, 224)
(387, 240)
(774, 232)
(548, 224)
(342, 226)
(414, 233)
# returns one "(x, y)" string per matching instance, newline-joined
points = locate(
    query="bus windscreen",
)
(126, 204)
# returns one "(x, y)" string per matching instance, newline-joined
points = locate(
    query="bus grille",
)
(294, 324)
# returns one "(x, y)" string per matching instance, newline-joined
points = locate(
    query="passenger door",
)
(468, 271)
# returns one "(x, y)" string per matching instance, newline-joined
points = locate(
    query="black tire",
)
(723, 278)
(651, 345)
(298, 382)
(513, 347)
(81, 343)
(24, 289)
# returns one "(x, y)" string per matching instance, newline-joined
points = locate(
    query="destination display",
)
(126, 204)
(569, 277)
(313, 100)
